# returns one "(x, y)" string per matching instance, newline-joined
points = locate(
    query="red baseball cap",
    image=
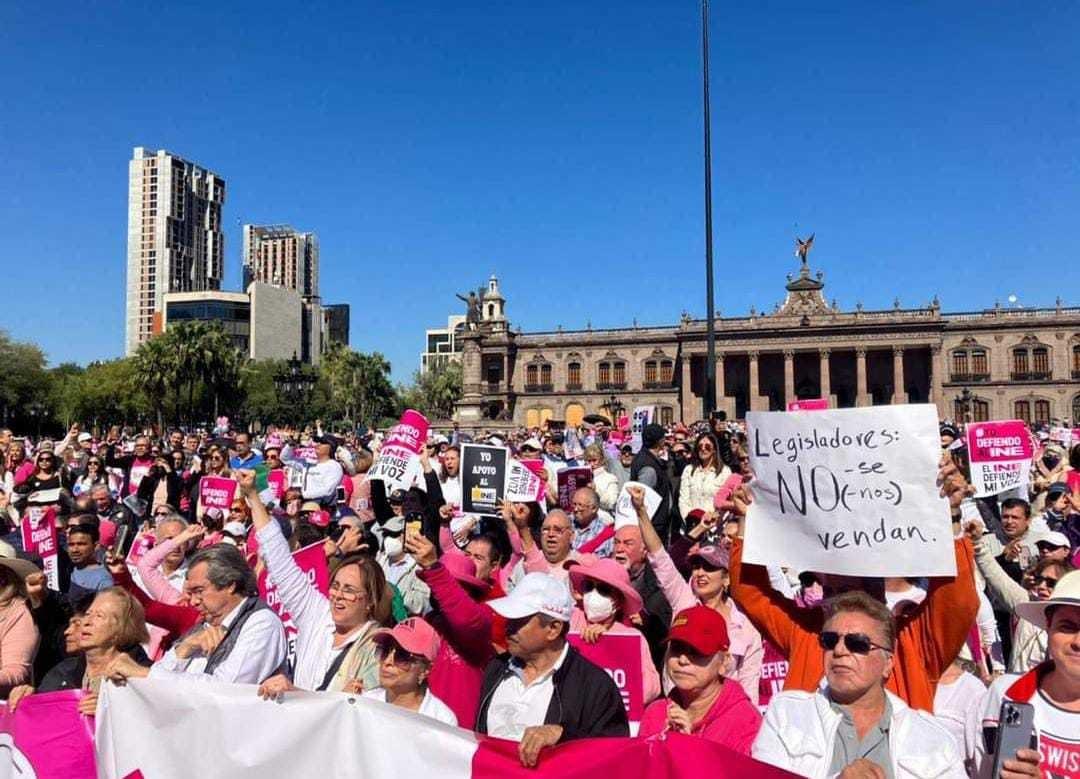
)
(702, 629)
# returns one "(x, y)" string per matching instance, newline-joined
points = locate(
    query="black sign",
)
(483, 478)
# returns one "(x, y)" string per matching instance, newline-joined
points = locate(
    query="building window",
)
(1020, 361)
(1076, 410)
(979, 363)
(667, 371)
(618, 371)
(960, 363)
(1042, 412)
(1076, 364)
(532, 375)
(573, 374)
(979, 410)
(545, 374)
(666, 415)
(1040, 360)
(604, 373)
(1022, 411)
(650, 372)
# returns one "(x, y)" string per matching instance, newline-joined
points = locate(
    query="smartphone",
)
(120, 545)
(1015, 731)
(414, 523)
(969, 512)
(340, 494)
(723, 495)
(959, 456)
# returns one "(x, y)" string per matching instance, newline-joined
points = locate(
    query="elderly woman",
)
(406, 655)
(705, 474)
(709, 585)
(18, 634)
(702, 701)
(113, 625)
(335, 640)
(163, 569)
(605, 483)
(607, 603)
(1028, 641)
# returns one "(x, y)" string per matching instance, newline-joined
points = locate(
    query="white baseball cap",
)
(536, 593)
(532, 443)
(1053, 538)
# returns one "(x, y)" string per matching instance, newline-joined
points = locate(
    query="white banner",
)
(643, 415)
(168, 728)
(849, 491)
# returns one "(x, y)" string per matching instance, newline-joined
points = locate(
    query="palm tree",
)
(155, 371)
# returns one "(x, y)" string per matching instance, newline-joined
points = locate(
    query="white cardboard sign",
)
(849, 491)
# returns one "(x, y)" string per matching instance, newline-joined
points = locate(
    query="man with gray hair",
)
(239, 638)
(590, 521)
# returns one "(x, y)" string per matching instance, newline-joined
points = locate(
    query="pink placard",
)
(46, 736)
(571, 479)
(1073, 480)
(276, 482)
(620, 656)
(808, 404)
(39, 537)
(312, 561)
(410, 433)
(217, 492)
(991, 442)
(398, 462)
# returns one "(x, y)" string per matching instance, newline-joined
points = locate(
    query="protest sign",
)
(312, 561)
(483, 478)
(849, 491)
(47, 736)
(522, 485)
(216, 492)
(309, 454)
(1061, 435)
(643, 415)
(620, 657)
(808, 404)
(39, 537)
(625, 514)
(398, 462)
(774, 671)
(142, 544)
(1000, 456)
(569, 480)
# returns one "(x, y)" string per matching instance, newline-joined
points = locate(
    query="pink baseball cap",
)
(319, 518)
(415, 636)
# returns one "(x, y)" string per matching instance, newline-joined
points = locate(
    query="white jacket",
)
(698, 486)
(800, 727)
(607, 488)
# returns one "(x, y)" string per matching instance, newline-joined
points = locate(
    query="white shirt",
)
(451, 491)
(958, 706)
(515, 705)
(258, 653)
(320, 480)
(308, 608)
(430, 706)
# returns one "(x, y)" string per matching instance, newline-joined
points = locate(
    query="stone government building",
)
(1013, 362)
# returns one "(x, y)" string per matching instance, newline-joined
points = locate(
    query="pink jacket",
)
(746, 646)
(732, 721)
(649, 676)
(465, 628)
(18, 645)
(149, 567)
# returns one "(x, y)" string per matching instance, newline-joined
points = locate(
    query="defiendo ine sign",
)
(1000, 455)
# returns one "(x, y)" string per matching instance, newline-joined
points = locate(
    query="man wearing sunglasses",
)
(854, 728)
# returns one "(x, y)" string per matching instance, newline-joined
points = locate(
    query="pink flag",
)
(620, 657)
(808, 404)
(46, 736)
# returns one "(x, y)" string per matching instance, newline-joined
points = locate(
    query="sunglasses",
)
(402, 659)
(1049, 581)
(589, 585)
(856, 643)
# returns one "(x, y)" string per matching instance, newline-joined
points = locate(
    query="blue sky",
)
(933, 148)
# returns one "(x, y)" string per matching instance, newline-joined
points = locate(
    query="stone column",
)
(685, 392)
(899, 391)
(826, 379)
(720, 381)
(755, 404)
(469, 407)
(861, 398)
(937, 395)
(789, 376)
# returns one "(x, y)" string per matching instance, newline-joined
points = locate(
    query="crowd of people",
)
(483, 621)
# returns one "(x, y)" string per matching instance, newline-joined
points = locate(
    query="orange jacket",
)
(927, 640)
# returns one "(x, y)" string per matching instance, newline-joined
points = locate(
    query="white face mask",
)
(598, 608)
(393, 546)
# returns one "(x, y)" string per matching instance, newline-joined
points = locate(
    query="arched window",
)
(573, 375)
(532, 376)
(667, 371)
(532, 417)
(545, 374)
(611, 373)
(1040, 360)
(1042, 412)
(1022, 411)
(1031, 361)
(491, 309)
(604, 374)
(1021, 364)
(618, 373)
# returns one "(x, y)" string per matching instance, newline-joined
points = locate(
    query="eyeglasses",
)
(402, 659)
(346, 593)
(162, 513)
(1049, 581)
(604, 589)
(856, 643)
(554, 531)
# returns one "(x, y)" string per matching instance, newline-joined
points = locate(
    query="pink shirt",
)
(18, 645)
(732, 721)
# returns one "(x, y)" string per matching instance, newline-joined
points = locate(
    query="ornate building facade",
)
(993, 364)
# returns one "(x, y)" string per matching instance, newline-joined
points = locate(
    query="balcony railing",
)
(494, 386)
(539, 387)
(968, 378)
(1032, 375)
(611, 385)
(574, 386)
(657, 385)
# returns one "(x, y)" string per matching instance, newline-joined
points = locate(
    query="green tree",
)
(357, 385)
(156, 370)
(435, 392)
(23, 379)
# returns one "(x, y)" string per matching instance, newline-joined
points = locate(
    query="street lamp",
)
(614, 408)
(710, 311)
(37, 412)
(965, 402)
(294, 384)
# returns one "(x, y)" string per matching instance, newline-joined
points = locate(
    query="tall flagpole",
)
(710, 325)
